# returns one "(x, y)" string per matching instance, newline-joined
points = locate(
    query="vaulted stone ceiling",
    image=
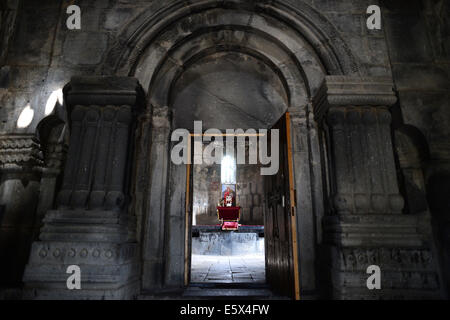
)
(228, 90)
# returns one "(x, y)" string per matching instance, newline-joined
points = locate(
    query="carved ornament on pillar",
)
(102, 120)
(356, 112)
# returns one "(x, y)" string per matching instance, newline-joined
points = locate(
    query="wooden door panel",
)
(281, 265)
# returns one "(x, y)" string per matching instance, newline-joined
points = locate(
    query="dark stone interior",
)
(86, 118)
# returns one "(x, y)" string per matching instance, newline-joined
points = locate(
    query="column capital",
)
(343, 91)
(161, 117)
(102, 91)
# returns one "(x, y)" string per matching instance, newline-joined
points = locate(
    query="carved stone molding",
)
(414, 259)
(20, 151)
(99, 253)
(407, 273)
(104, 91)
(374, 230)
(161, 118)
(337, 91)
(109, 271)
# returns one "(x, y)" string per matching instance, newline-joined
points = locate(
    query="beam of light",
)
(26, 117)
(228, 170)
(56, 96)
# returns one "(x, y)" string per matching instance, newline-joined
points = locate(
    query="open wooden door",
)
(280, 220)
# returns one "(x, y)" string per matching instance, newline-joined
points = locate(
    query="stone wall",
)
(43, 55)
(8, 14)
(250, 194)
(417, 35)
(206, 195)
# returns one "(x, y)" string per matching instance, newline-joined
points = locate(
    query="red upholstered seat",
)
(230, 225)
(229, 216)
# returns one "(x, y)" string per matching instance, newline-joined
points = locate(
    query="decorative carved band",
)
(20, 151)
(342, 91)
(105, 91)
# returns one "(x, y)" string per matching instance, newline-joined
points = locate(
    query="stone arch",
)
(296, 40)
(288, 71)
(301, 48)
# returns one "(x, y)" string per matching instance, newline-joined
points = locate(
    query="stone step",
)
(219, 291)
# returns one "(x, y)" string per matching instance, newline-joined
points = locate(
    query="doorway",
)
(262, 251)
(227, 256)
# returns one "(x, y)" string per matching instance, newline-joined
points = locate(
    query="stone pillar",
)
(20, 172)
(54, 157)
(155, 207)
(92, 227)
(305, 205)
(175, 220)
(366, 226)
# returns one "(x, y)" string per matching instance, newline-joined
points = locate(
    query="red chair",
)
(229, 217)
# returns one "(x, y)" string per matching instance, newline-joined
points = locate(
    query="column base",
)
(393, 243)
(108, 270)
(96, 241)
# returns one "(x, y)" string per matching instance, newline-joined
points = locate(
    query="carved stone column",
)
(153, 240)
(305, 202)
(91, 227)
(366, 225)
(20, 172)
(55, 152)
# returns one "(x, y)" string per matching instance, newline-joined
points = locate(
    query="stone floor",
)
(228, 269)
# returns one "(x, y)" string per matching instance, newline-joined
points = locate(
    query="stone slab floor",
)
(228, 269)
